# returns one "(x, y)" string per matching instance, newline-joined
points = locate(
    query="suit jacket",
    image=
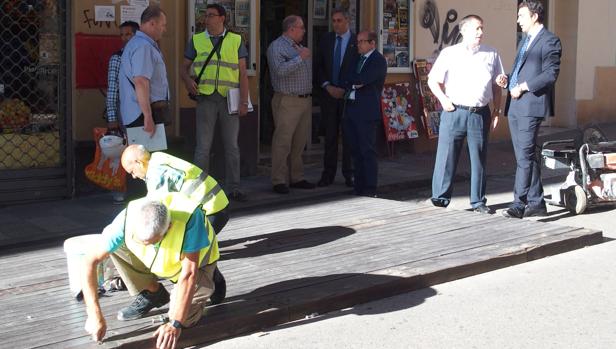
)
(367, 103)
(325, 58)
(540, 68)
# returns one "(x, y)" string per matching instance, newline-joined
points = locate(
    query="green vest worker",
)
(168, 237)
(226, 70)
(164, 173)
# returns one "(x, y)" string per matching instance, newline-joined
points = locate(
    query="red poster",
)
(92, 54)
(397, 112)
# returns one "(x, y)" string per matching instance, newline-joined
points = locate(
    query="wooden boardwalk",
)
(283, 265)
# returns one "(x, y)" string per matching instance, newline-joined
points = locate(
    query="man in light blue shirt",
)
(143, 75)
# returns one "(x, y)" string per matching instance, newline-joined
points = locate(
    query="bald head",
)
(135, 159)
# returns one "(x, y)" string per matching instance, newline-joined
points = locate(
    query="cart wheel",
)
(575, 199)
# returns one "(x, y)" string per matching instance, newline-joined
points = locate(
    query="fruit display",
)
(14, 114)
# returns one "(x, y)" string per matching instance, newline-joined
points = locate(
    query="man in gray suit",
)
(530, 100)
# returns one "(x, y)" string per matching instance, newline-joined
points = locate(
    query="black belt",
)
(471, 109)
(304, 96)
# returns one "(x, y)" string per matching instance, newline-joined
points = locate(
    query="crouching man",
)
(166, 238)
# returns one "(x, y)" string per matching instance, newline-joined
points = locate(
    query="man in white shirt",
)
(469, 73)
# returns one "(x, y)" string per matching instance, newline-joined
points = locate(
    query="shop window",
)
(394, 23)
(240, 19)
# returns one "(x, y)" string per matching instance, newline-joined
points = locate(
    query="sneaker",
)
(483, 209)
(281, 189)
(220, 288)
(143, 303)
(238, 196)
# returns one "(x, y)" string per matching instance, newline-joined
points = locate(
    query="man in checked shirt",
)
(127, 30)
(290, 66)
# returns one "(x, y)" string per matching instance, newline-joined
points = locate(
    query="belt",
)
(162, 104)
(471, 109)
(298, 96)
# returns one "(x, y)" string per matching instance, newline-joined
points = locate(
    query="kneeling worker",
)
(151, 239)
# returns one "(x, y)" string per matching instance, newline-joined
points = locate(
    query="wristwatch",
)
(176, 324)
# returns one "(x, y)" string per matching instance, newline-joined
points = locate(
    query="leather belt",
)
(304, 96)
(471, 109)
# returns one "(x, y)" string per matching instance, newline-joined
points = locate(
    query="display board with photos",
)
(395, 35)
(431, 106)
(238, 20)
(398, 111)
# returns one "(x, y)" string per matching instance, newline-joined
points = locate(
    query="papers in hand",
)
(136, 135)
(233, 101)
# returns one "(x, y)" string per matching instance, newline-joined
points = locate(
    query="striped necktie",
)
(362, 59)
(336, 63)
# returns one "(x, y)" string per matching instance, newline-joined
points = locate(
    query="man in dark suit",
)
(337, 51)
(364, 85)
(530, 100)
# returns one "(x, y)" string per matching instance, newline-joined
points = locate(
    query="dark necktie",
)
(362, 59)
(336, 65)
(518, 62)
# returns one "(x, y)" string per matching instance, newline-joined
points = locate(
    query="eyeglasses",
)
(210, 15)
(360, 41)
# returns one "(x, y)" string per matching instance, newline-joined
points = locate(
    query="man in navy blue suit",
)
(364, 85)
(530, 100)
(337, 53)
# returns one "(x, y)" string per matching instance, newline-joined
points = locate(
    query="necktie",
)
(336, 65)
(518, 62)
(362, 59)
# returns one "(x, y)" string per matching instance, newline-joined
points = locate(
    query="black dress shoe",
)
(439, 202)
(349, 182)
(537, 211)
(324, 182)
(303, 184)
(514, 212)
(281, 189)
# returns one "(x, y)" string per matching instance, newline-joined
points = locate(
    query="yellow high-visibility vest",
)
(222, 73)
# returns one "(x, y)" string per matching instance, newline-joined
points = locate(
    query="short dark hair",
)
(370, 34)
(534, 7)
(219, 8)
(133, 25)
(469, 18)
(151, 12)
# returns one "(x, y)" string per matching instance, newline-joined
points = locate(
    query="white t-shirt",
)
(468, 75)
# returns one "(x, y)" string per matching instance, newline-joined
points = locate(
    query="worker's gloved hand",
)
(96, 327)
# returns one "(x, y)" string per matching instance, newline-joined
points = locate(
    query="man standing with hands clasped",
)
(469, 73)
(530, 100)
(226, 70)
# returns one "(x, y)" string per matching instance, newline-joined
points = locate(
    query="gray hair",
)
(154, 219)
(289, 21)
(150, 13)
(342, 11)
(469, 18)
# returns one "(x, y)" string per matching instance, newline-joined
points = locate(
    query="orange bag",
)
(106, 171)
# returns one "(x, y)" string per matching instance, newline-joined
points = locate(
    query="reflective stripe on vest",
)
(197, 184)
(222, 73)
(164, 258)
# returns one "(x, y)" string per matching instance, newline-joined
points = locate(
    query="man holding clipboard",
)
(217, 57)
(144, 88)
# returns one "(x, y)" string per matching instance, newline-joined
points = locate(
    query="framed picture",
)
(320, 9)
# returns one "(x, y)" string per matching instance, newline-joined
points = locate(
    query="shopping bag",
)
(106, 170)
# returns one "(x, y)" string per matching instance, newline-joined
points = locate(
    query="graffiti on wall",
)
(448, 34)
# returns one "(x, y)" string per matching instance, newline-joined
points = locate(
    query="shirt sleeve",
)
(113, 234)
(113, 88)
(498, 67)
(439, 69)
(190, 52)
(196, 236)
(142, 62)
(242, 52)
(279, 64)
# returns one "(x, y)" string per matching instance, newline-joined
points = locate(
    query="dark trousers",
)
(218, 220)
(331, 119)
(528, 189)
(361, 136)
(454, 127)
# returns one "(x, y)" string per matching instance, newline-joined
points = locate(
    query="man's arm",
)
(279, 65)
(243, 87)
(438, 89)
(113, 91)
(167, 335)
(497, 96)
(95, 323)
(142, 89)
(189, 83)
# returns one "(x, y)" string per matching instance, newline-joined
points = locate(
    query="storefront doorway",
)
(33, 101)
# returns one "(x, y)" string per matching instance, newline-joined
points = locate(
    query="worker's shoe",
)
(220, 288)
(143, 303)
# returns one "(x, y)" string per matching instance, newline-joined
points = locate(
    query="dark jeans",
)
(331, 119)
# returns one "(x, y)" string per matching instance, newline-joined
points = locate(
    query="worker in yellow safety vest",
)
(167, 237)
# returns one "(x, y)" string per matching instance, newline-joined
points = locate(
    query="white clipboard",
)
(136, 135)
(233, 101)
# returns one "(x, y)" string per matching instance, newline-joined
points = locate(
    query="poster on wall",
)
(395, 33)
(397, 112)
(431, 106)
(320, 9)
